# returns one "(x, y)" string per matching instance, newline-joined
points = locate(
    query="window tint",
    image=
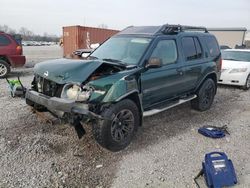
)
(212, 46)
(192, 48)
(198, 48)
(189, 48)
(166, 50)
(4, 41)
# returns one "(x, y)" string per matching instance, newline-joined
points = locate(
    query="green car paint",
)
(63, 71)
(115, 86)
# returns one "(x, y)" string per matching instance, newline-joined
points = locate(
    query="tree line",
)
(28, 35)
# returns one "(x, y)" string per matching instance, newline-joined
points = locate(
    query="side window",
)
(212, 46)
(4, 41)
(189, 48)
(198, 47)
(166, 50)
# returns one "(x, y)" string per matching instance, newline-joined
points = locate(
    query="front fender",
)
(121, 89)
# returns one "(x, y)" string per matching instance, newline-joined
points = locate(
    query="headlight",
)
(238, 70)
(76, 92)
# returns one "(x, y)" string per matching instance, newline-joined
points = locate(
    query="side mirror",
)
(94, 46)
(154, 62)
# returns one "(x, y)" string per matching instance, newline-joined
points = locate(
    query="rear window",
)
(212, 46)
(18, 39)
(192, 48)
(198, 48)
(4, 41)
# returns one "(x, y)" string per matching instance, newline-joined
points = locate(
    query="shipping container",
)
(80, 37)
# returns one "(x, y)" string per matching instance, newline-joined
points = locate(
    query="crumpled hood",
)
(62, 71)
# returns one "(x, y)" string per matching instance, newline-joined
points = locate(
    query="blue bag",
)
(213, 132)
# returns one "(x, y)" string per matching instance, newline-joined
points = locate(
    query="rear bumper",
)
(17, 60)
(59, 104)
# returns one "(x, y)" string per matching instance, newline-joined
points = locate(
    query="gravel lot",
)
(167, 151)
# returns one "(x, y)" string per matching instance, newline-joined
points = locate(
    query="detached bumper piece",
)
(59, 104)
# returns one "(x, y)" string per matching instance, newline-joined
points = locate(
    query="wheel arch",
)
(5, 58)
(211, 75)
(135, 97)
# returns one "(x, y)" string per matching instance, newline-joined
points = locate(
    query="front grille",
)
(47, 87)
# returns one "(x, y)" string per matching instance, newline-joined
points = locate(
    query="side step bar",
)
(158, 110)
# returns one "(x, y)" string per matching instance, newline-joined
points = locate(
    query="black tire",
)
(4, 69)
(247, 84)
(205, 96)
(125, 119)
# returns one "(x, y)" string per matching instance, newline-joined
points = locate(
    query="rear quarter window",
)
(212, 46)
(4, 41)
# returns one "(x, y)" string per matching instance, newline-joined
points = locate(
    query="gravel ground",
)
(167, 151)
(36, 54)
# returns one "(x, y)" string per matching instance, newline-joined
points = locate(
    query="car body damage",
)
(81, 87)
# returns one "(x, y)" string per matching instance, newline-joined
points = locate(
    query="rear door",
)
(193, 56)
(159, 84)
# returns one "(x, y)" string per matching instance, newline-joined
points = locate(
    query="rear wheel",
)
(247, 84)
(4, 69)
(205, 96)
(116, 134)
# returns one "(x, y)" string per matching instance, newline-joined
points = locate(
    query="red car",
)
(11, 53)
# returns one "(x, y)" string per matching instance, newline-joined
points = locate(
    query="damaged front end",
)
(76, 90)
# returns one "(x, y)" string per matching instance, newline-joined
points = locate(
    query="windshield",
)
(126, 50)
(236, 55)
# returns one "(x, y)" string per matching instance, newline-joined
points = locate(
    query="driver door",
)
(165, 82)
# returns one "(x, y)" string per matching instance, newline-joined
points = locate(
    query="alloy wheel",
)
(122, 125)
(208, 95)
(3, 70)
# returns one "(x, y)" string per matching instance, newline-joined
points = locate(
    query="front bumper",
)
(59, 104)
(238, 79)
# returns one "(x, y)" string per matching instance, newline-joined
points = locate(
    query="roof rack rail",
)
(174, 29)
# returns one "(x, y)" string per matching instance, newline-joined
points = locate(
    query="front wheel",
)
(116, 134)
(205, 96)
(247, 84)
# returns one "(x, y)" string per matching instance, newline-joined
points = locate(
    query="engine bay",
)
(105, 70)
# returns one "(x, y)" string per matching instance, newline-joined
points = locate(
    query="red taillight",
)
(19, 50)
(220, 65)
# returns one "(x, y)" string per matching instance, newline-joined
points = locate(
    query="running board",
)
(156, 110)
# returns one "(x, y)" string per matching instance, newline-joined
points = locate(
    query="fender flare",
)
(138, 101)
(205, 77)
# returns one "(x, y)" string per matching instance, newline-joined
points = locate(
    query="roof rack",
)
(174, 29)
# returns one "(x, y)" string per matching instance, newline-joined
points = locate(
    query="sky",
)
(50, 16)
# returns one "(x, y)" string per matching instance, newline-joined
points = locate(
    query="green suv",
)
(138, 72)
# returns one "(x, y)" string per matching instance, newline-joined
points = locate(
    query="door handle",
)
(179, 71)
